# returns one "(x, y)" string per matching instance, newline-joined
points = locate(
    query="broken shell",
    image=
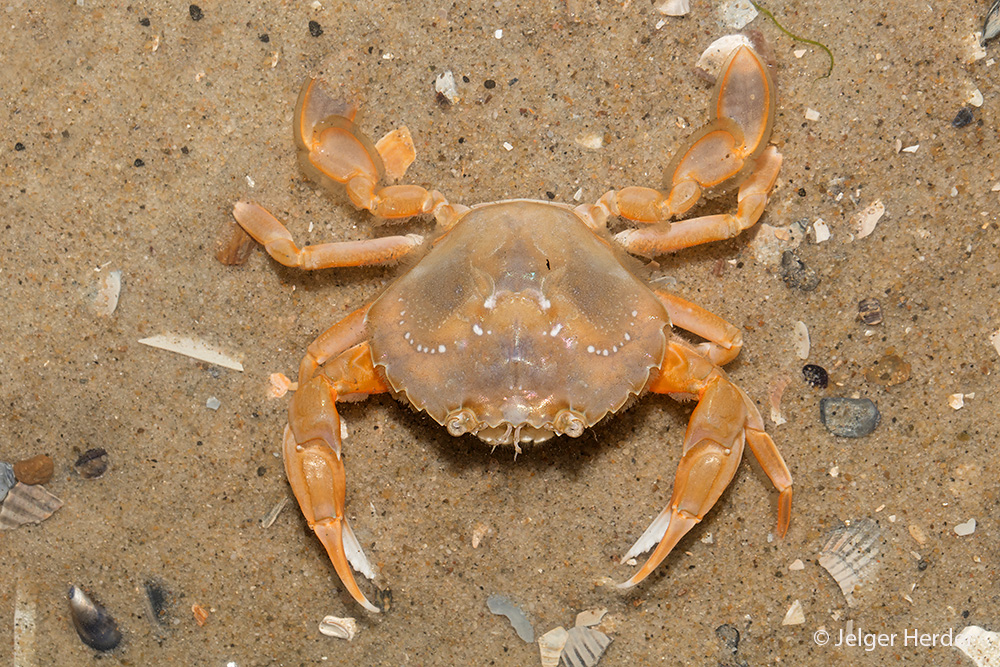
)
(501, 606)
(870, 311)
(850, 555)
(794, 615)
(107, 295)
(341, 628)
(92, 463)
(590, 617)
(981, 645)
(712, 58)
(865, 221)
(27, 504)
(200, 614)
(674, 7)
(7, 479)
(991, 28)
(93, 623)
(967, 528)
(550, 646)
(584, 647)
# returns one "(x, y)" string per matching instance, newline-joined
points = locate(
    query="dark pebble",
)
(36, 470)
(19, 146)
(315, 29)
(729, 636)
(870, 311)
(196, 13)
(796, 274)
(92, 463)
(922, 565)
(265, 38)
(963, 117)
(7, 479)
(489, 84)
(139, 163)
(849, 417)
(816, 376)
(383, 598)
(144, 23)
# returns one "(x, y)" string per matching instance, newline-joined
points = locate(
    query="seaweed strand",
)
(763, 10)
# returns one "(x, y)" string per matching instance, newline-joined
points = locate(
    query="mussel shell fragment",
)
(7, 479)
(93, 623)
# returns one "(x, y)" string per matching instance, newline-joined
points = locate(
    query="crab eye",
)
(461, 422)
(569, 423)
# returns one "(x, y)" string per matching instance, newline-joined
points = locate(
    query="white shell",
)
(27, 504)
(107, 295)
(341, 628)
(550, 645)
(590, 617)
(584, 647)
(195, 349)
(794, 615)
(850, 554)
(982, 646)
(674, 7)
(712, 58)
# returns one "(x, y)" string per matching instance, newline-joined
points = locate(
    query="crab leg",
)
(716, 155)
(279, 244)
(670, 236)
(724, 340)
(312, 442)
(723, 420)
(333, 148)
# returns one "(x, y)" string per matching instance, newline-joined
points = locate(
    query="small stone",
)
(962, 118)
(956, 401)
(967, 528)
(36, 470)
(849, 417)
(92, 463)
(796, 274)
(315, 29)
(797, 565)
(213, 403)
(888, 371)
(815, 376)
(196, 13)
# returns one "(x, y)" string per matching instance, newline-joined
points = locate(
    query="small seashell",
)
(590, 617)
(917, 533)
(674, 7)
(800, 339)
(584, 647)
(107, 296)
(501, 606)
(715, 55)
(7, 479)
(550, 646)
(967, 528)
(797, 565)
(200, 614)
(870, 311)
(794, 615)
(157, 601)
(736, 14)
(195, 349)
(850, 555)
(27, 504)
(991, 28)
(341, 628)
(444, 85)
(777, 389)
(92, 463)
(268, 519)
(36, 470)
(865, 221)
(235, 245)
(93, 623)
(981, 645)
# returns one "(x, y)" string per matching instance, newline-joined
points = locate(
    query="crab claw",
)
(315, 470)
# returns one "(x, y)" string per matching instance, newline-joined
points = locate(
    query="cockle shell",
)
(850, 554)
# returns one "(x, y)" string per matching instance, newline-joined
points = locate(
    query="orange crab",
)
(523, 320)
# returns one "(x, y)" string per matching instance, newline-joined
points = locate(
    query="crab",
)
(526, 319)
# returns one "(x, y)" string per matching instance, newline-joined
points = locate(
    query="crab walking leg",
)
(278, 242)
(722, 422)
(670, 236)
(724, 340)
(333, 148)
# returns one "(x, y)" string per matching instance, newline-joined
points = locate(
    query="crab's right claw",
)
(738, 130)
(315, 470)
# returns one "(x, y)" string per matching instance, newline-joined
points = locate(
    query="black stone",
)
(963, 117)
(815, 376)
(196, 13)
(796, 274)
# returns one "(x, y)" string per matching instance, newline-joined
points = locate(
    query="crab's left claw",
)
(315, 470)
(724, 420)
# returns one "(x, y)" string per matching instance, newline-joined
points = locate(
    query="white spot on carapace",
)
(635, 313)
(604, 352)
(476, 329)
(407, 335)
(441, 348)
(590, 348)
(614, 348)
(555, 330)
(544, 303)
(491, 301)
(627, 337)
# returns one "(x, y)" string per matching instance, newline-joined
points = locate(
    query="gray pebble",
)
(849, 417)
(729, 636)
(7, 479)
(796, 274)
(500, 605)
